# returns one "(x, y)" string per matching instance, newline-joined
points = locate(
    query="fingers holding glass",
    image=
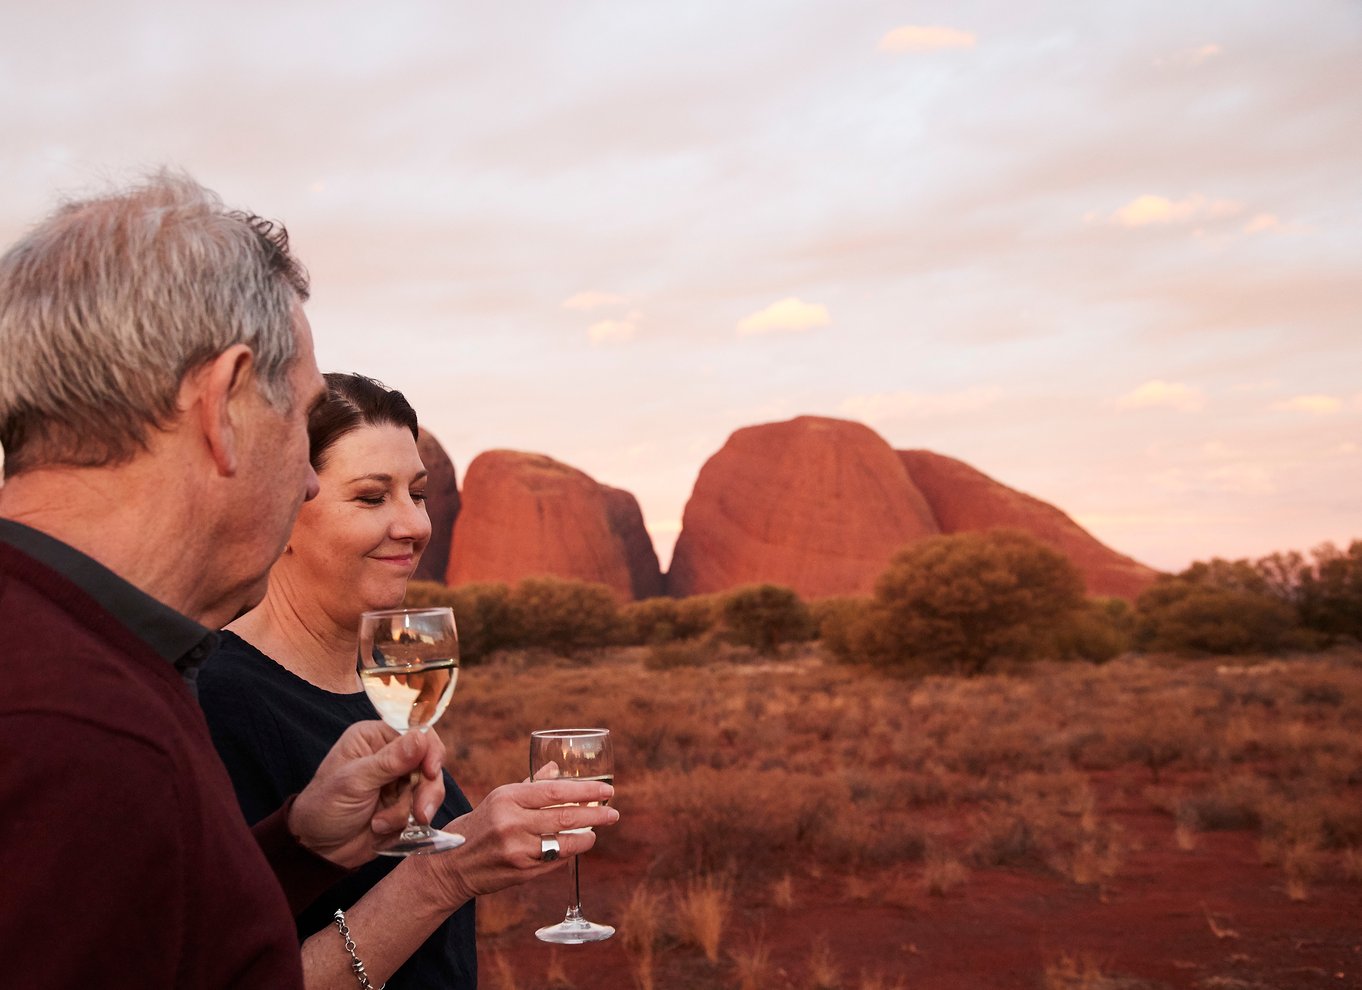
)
(581, 755)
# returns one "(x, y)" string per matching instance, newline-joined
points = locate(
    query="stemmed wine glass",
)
(409, 664)
(582, 754)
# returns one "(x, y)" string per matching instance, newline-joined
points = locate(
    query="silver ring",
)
(549, 848)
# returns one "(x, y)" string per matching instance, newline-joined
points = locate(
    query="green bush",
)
(764, 616)
(563, 616)
(839, 622)
(959, 602)
(1184, 615)
(1101, 630)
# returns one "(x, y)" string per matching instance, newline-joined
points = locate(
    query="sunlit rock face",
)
(818, 505)
(527, 515)
(965, 500)
(442, 504)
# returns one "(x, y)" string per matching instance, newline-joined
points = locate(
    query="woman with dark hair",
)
(282, 687)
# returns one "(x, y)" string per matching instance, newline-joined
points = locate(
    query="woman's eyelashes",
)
(378, 498)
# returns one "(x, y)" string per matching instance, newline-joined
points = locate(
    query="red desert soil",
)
(1212, 918)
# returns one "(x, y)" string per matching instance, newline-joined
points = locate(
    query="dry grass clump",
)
(640, 930)
(752, 965)
(821, 969)
(942, 873)
(702, 910)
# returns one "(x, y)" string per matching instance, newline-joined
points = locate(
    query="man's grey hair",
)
(110, 302)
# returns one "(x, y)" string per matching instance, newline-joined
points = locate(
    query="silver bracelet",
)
(360, 976)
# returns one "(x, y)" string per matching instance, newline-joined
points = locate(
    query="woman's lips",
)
(399, 560)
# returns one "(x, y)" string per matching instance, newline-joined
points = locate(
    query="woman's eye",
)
(370, 499)
(418, 496)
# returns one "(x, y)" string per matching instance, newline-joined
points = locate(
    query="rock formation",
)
(818, 505)
(527, 515)
(626, 522)
(442, 504)
(965, 500)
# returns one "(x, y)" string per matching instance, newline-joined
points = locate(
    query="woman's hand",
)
(503, 834)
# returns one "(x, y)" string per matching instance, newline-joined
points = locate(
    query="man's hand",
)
(360, 794)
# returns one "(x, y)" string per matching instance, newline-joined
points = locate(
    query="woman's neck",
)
(299, 636)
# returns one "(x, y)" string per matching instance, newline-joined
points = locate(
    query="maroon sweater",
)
(124, 859)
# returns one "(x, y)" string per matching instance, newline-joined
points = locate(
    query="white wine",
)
(608, 778)
(413, 694)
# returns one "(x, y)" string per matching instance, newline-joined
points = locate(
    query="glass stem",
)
(415, 779)
(574, 913)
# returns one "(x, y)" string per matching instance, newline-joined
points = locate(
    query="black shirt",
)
(272, 730)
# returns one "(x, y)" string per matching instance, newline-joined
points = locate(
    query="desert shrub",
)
(1187, 615)
(696, 615)
(958, 602)
(1101, 630)
(667, 620)
(652, 620)
(765, 615)
(838, 621)
(564, 616)
(1330, 592)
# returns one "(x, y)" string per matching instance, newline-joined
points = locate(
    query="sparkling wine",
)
(413, 694)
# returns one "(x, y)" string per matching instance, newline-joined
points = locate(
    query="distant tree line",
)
(958, 603)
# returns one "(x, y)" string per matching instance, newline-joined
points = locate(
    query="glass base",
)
(422, 842)
(574, 932)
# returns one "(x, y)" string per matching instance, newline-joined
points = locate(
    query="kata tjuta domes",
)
(527, 515)
(818, 505)
(821, 505)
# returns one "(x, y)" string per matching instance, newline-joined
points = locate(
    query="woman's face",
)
(355, 545)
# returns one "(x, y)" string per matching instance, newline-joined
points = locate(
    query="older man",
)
(156, 373)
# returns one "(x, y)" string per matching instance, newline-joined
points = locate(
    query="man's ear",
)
(218, 390)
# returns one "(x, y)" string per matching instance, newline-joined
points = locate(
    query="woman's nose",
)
(411, 521)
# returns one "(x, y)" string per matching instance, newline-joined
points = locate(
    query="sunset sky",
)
(1107, 253)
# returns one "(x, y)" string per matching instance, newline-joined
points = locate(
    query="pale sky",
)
(1108, 253)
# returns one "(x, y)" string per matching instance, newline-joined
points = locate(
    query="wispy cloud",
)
(614, 331)
(593, 300)
(921, 38)
(1151, 209)
(1161, 394)
(789, 315)
(1316, 405)
(893, 406)
(1196, 56)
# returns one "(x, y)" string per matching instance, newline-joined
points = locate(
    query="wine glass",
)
(582, 754)
(408, 665)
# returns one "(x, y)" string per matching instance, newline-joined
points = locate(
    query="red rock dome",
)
(818, 505)
(527, 515)
(966, 500)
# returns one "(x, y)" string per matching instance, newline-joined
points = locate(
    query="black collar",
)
(178, 638)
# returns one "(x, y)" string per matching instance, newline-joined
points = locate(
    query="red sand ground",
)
(1212, 918)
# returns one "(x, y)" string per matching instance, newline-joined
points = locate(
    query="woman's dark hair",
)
(353, 401)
